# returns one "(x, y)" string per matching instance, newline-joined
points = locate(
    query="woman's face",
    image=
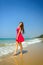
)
(20, 24)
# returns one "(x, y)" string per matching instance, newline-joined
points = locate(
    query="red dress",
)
(20, 37)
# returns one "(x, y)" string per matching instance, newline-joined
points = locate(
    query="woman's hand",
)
(17, 37)
(18, 34)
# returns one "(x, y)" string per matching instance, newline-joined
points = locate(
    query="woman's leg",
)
(16, 47)
(20, 44)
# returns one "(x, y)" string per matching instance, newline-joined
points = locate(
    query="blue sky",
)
(14, 11)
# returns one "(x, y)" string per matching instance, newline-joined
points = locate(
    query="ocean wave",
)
(6, 50)
(11, 47)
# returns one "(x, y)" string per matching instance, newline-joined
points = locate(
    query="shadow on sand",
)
(23, 52)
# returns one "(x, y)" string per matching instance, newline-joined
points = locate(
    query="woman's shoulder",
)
(18, 28)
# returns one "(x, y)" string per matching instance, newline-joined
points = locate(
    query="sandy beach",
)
(32, 55)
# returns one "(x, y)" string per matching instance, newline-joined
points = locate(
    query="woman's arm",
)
(18, 33)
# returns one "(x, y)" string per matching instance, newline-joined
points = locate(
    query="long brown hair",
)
(22, 26)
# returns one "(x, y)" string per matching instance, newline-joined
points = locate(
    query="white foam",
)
(26, 43)
(6, 50)
(34, 41)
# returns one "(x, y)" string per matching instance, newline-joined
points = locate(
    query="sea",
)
(7, 45)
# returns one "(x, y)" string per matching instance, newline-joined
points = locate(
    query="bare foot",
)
(21, 53)
(14, 54)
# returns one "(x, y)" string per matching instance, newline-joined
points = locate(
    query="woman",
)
(19, 37)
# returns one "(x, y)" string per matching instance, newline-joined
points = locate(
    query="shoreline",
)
(32, 55)
(5, 50)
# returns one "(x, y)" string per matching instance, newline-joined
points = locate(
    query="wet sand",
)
(32, 55)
